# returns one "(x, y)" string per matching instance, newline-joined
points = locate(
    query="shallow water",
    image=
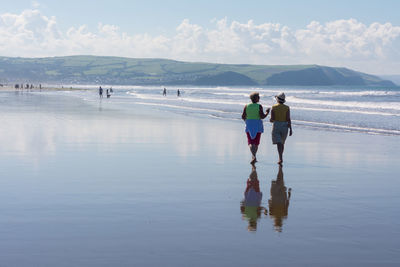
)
(91, 184)
(373, 110)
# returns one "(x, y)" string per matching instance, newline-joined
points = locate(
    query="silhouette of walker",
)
(279, 201)
(252, 115)
(251, 207)
(101, 92)
(280, 117)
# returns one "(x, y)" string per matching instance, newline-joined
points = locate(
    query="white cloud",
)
(373, 48)
(35, 4)
(347, 39)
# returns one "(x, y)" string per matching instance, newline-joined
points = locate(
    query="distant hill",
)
(393, 78)
(140, 71)
(225, 78)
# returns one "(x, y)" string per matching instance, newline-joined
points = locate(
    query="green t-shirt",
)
(253, 111)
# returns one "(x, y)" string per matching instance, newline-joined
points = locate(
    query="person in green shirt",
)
(251, 207)
(252, 115)
(280, 117)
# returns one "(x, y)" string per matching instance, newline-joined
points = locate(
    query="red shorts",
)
(255, 141)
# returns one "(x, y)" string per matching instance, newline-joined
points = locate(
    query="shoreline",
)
(298, 123)
(36, 89)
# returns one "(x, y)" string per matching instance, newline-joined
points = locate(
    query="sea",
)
(372, 110)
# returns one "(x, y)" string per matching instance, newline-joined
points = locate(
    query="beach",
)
(97, 183)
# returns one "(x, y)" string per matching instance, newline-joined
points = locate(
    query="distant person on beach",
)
(280, 117)
(279, 202)
(101, 92)
(164, 92)
(251, 205)
(178, 93)
(111, 90)
(108, 93)
(253, 114)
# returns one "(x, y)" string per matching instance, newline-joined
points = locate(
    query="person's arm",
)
(244, 115)
(272, 119)
(262, 115)
(289, 122)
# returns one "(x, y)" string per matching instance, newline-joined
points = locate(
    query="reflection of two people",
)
(279, 202)
(250, 206)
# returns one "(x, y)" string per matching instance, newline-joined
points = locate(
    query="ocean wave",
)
(367, 108)
(231, 94)
(323, 109)
(186, 107)
(186, 99)
(362, 93)
(380, 113)
(323, 125)
(346, 104)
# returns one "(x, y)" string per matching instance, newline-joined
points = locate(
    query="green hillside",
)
(118, 70)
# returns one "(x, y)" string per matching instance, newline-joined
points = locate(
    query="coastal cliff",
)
(144, 71)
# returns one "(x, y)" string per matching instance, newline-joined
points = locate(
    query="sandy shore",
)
(87, 185)
(36, 88)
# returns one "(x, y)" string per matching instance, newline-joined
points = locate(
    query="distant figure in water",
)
(178, 93)
(111, 90)
(280, 117)
(108, 93)
(253, 114)
(101, 92)
(279, 202)
(250, 206)
(164, 92)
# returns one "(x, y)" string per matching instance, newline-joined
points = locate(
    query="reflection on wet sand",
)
(251, 207)
(279, 201)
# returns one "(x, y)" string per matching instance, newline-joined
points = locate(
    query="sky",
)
(361, 35)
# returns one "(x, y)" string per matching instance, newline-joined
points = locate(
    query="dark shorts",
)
(255, 141)
(279, 132)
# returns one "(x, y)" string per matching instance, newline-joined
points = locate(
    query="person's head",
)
(255, 97)
(280, 98)
(252, 227)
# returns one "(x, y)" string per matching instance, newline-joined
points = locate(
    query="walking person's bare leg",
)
(253, 150)
(280, 147)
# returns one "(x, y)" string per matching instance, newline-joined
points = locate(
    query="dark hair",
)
(254, 96)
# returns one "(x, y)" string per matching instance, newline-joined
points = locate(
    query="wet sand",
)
(36, 88)
(90, 185)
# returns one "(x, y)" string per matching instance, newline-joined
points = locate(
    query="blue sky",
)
(155, 16)
(364, 35)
